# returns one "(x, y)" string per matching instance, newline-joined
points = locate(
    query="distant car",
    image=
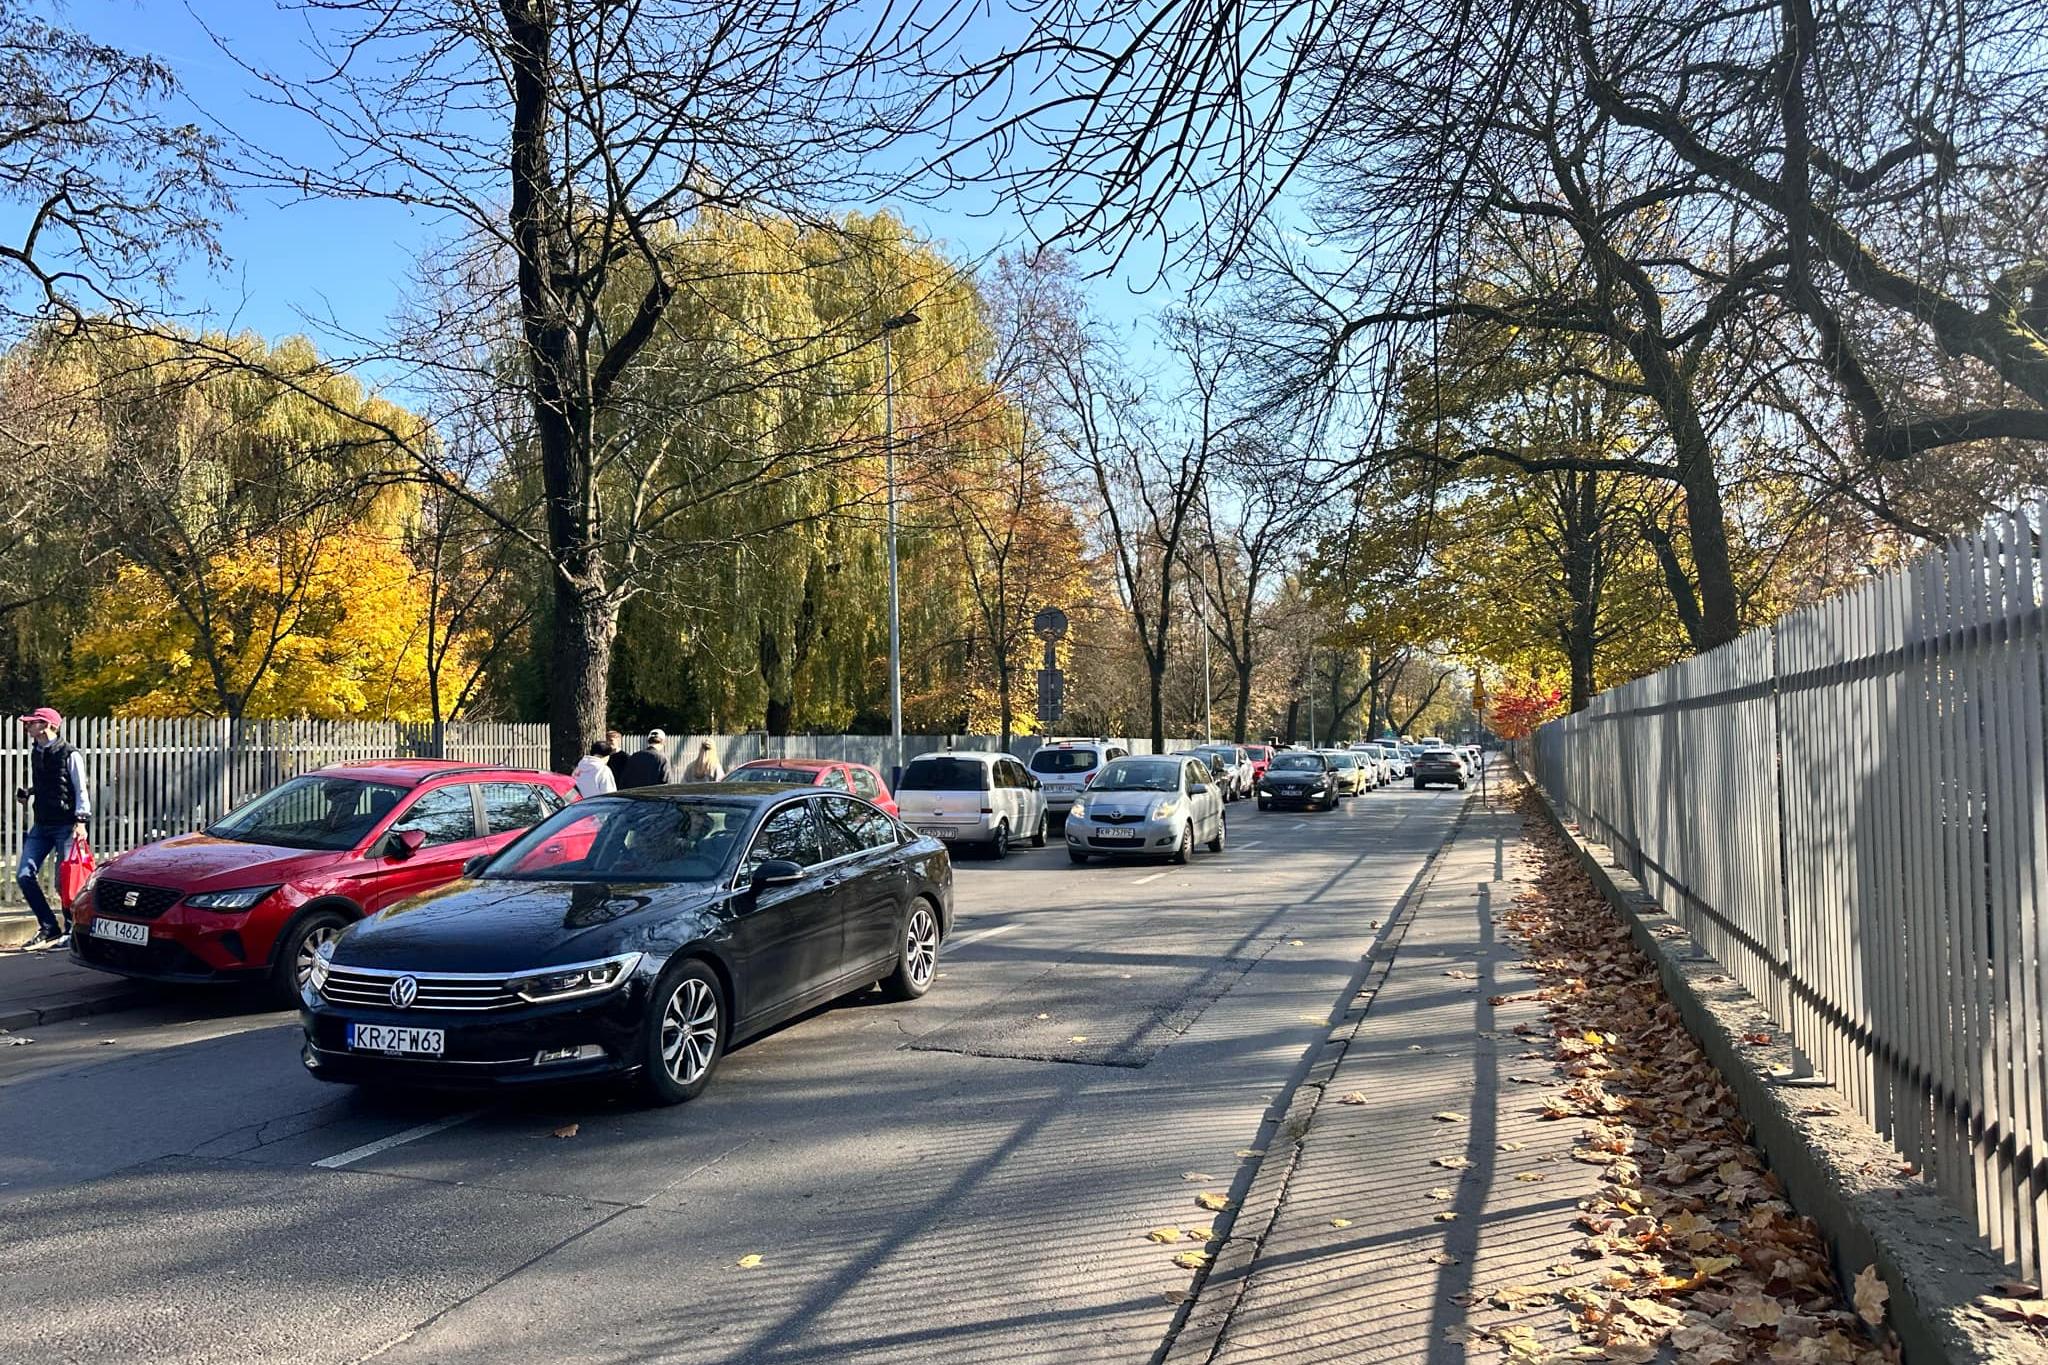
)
(255, 895)
(1353, 778)
(1260, 755)
(1299, 777)
(1235, 768)
(857, 778)
(1065, 767)
(1378, 773)
(1390, 761)
(964, 796)
(1440, 765)
(1149, 804)
(633, 936)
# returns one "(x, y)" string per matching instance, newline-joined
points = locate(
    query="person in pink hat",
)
(60, 802)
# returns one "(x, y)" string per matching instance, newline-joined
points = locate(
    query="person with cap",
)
(60, 802)
(704, 767)
(649, 767)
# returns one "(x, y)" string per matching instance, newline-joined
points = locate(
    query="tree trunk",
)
(1241, 718)
(1293, 715)
(584, 627)
(1003, 693)
(776, 677)
(1157, 668)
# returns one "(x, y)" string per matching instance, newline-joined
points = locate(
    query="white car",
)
(1065, 767)
(1149, 804)
(966, 797)
(1237, 768)
(1375, 761)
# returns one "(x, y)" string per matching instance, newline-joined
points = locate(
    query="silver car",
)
(1236, 767)
(1149, 805)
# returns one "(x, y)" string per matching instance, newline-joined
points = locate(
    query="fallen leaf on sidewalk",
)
(1193, 1260)
(1078, 1038)
(1520, 1340)
(1163, 1235)
(1251, 1151)
(1871, 1293)
(1529, 1177)
(1516, 1295)
(1174, 1295)
(1453, 1163)
(1215, 1203)
(2032, 1311)
(750, 1260)
(1441, 1258)
(1355, 1097)
(1449, 1116)
(1440, 1193)
(1198, 1177)
(1512, 1146)
(1340, 1222)
(1201, 1234)
(1458, 974)
(568, 1130)
(1447, 1218)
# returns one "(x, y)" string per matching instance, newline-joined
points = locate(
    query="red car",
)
(255, 896)
(857, 778)
(1262, 755)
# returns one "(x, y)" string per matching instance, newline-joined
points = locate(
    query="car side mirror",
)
(777, 872)
(403, 843)
(1198, 789)
(476, 864)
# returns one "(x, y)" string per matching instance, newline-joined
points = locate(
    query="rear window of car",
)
(944, 775)
(1259, 752)
(788, 777)
(1063, 760)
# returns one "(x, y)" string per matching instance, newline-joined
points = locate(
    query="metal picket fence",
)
(1849, 810)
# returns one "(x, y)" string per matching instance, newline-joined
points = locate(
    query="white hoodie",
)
(594, 776)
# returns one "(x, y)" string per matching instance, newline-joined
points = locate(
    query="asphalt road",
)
(965, 1178)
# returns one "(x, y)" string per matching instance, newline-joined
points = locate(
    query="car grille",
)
(348, 986)
(1118, 817)
(111, 898)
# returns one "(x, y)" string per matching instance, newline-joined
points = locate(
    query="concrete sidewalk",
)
(1413, 1193)
(43, 987)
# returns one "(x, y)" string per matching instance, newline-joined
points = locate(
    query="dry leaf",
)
(1201, 1234)
(1078, 1038)
(1340, 1222)
(1453, 1163)
(1755, 1310)
(1355, 1097)
(1441, 1258)
(750, 1260)
(1447, 1218)
(1449, 1116)
(1871, 1293)
(1174, 1295)
(1193, 1260)
(567, 1130)
(1529, 1177)
(1199, 1177)
(1215, 1203)
(1440, 1193)
(1512, 1146)
(1251, 1151)
(1520, 1341)
(2031, 1311)
(1164, 1236)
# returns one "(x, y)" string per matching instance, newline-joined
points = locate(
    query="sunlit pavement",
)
(955, 1179)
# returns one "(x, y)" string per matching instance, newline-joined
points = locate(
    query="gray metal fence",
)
(1849, 809)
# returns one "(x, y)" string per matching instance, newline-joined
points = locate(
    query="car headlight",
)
(241, 898)
(585, 978)
(1165, 810)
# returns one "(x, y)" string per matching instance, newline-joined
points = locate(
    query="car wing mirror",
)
(1198, 789)
(403, 843)
(476, 865)
(776, 872)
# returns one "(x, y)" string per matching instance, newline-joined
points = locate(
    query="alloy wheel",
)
(921, 947)
(689, 1030)
(319, 936)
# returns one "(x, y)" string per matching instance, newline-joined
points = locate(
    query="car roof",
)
(813, 764)
(958, 753)
(410, 772)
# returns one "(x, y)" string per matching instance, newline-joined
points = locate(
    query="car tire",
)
(999, 847)
(917, 953)
(1461, 784)
(294, 952)
(1076, 857)
(1222, 833)
(1265, 804)
(1186, 848)
(1038, 838)
(684, 1034)
(1418, 784)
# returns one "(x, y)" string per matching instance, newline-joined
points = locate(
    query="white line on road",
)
(355, 1154)
(1153, 878)
(989, 932)
(1299, 824)
(1251, 843)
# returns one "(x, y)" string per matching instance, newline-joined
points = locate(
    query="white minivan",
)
(1065, 767)
(967, 797)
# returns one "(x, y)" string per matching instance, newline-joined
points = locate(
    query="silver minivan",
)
(1065, 767)
(969, 797)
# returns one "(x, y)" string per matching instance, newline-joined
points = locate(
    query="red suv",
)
(257, 894)
(857, 778)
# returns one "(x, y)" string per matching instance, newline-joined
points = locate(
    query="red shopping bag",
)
(75, 870)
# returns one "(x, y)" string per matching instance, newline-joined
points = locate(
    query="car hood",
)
(1125, 803)
(497, 926)
(1309, 776)
(200, 862)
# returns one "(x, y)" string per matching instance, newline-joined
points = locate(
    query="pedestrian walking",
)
(704, 767)
(649, 767)
(616, 760)
(60, 802)
(594, 771)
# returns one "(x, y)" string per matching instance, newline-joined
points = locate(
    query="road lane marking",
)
(1153, 878)
(1299, 824)
(989, 932)
(1251, 843)
(355, 1154)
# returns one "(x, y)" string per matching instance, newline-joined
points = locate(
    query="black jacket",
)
(56, 799)
(648, 768)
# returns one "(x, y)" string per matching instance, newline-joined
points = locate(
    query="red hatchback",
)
(256, 895)
(857, 778)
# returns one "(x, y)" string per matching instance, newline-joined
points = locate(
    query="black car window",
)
(789, 833)
(1298, 762)
(1140, 775)
(835, 778)
(841, 839)
(510, 806)
(944, 775)
(787, 777)
(446, 815)
(865, 783)
(1063, 761)
(876, 829)
(608, 838)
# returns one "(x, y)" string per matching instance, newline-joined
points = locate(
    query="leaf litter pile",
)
(1692, 1240)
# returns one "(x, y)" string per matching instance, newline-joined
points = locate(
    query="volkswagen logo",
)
(404, 991)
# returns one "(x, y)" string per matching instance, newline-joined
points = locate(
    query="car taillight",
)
(988, 810)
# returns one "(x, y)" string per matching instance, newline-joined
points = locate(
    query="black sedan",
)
(636, 935)
(1298, 777)
(1439, 765)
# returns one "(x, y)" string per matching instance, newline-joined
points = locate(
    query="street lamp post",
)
(901, 320)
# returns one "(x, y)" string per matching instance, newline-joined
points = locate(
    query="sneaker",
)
(44, 938)
(61, 942)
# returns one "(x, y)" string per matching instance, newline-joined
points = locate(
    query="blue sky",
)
(329, 268)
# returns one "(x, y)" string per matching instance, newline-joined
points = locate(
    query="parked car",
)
(1391, 762)
(963, 796)
(1260, 755)
(1299, 777)
(636, 935)
(857, 778)
(1377, 773)
(1149, 805)
(1439, 765)
(1065, 767)
(255, 895)
(1233, 765)
(1351, 774)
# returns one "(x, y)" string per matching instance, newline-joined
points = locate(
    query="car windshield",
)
(1140, 775)
(1343, 761)
(311, 812)
(1258, 752)
(944, 775)
(1298, 763)
(788, 777)
(626, 839)
(1063, 760)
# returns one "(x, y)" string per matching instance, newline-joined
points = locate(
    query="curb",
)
(1212, 1303)
(74, 1009)
(1835, 1167)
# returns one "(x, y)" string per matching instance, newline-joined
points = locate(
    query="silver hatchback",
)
(1150, 805)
